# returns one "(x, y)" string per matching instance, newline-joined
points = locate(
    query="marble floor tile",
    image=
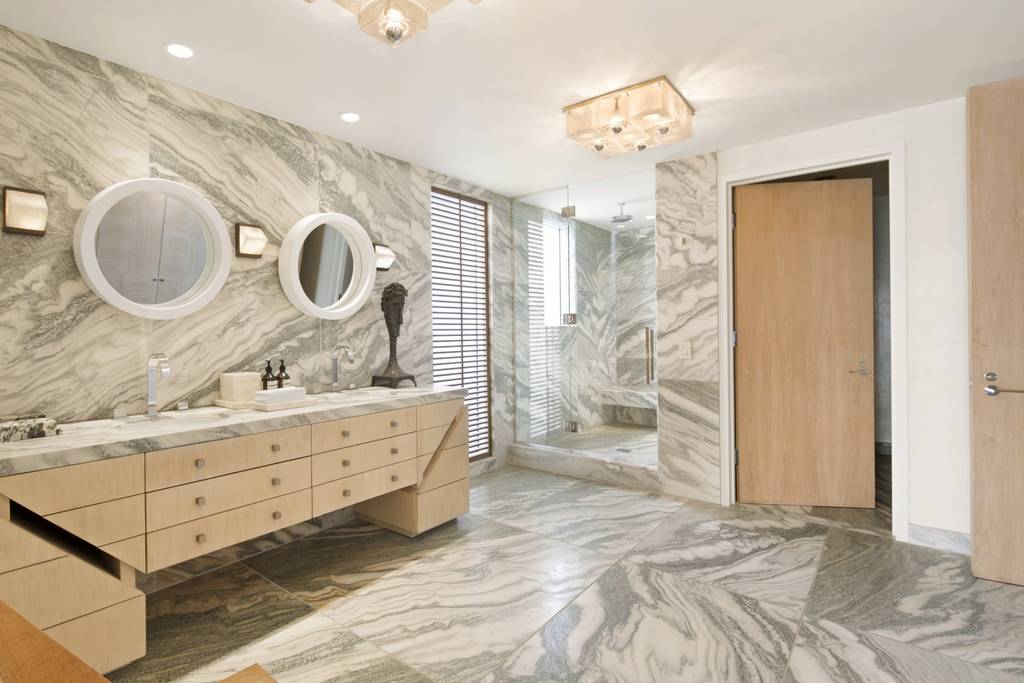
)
(211, 627)
(919, 596)
(602, 518)
(326, 567)
(454, 615)
(511, 489)
(825, 652)
(638, 624)
(616, 443)
(768, 557)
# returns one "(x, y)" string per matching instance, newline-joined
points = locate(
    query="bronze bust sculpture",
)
(392, 302)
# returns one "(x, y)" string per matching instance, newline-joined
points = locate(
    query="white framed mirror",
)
(327, 266)
(153, 248)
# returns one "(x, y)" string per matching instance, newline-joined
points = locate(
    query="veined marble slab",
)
(102, 439)
(632, 397)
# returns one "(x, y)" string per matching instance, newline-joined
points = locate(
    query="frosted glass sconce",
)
(250, 241)
(25, 211)
(385, 256)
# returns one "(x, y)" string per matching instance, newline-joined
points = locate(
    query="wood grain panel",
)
(330, 436)
(131, 551)
(410, 513)
(22, 549)
(108, 639)
(105, 523)
(30, 656)
(180, 504)
(444, 467)
(187, 464)
(185, 541)
(346, 462)
(446, 436)
(53, 592)
(439, 414)
(804, 311)
(351, 490)
(995, 123)
(66, 488)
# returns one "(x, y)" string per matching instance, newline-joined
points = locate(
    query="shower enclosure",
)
(586, 311)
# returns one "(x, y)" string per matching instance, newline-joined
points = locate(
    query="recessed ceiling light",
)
(180, 51)
(651, 218)
(350, 117)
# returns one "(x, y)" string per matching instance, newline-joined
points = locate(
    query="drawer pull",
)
(200, 501)
(276, 481)
(200, 463)
(201, 538)
(394, 477)
(394, 423)
(346, 463)
(276, 515)
(345, 433)
(346, 493)
(275, 447)
(394, 451)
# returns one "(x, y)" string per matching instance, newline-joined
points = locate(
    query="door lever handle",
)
(993, 390)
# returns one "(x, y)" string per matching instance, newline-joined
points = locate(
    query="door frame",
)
(895, 155)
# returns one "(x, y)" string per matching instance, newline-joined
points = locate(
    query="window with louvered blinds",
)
(458, 232)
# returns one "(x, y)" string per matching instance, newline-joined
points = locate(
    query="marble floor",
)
(625, 444)
(556, 579)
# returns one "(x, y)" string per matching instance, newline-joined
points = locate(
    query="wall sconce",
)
(385, 256)
(25, 211)
(250, 241)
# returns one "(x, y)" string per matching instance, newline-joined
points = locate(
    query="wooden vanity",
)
(72, 536)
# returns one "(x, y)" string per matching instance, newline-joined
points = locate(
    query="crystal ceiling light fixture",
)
(640, 116)
(393, 21)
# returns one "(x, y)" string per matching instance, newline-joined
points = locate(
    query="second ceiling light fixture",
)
(393, 21)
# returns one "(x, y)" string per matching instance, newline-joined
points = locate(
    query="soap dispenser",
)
(268, 377)
(283, 379)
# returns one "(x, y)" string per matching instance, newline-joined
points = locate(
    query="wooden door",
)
(804, 306)
(996, 171)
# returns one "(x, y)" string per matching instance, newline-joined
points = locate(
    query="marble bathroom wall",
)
(687, 279)
(636, 303)
(72, 124)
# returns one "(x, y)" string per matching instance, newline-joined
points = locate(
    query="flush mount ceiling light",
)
(350, 117)
(393, 21)
(640, 116)
(180, 51)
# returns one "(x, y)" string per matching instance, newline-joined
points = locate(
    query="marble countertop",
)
(83, 442)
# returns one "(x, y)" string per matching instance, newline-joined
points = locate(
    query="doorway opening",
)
(813, 405)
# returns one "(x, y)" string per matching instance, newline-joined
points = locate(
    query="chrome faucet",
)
(336, 355)
(157, 362)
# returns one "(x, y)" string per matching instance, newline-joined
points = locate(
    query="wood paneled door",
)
(995, 115)
(804, 313)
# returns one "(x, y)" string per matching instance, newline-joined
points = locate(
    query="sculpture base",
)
(392, 380)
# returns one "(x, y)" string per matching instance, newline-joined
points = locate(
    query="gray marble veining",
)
(100, 439)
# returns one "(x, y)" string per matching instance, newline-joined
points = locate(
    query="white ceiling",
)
(479, 95)
(597, 201)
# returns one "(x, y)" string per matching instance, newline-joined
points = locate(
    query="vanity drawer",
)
(193, 539)
(181, 504)
(351, 490)
(330, 436)
(66, 488)
(24, 548)
(442, 468)
(446, 436)
(108, 639)
(187, 464)
(411, 513)
(438, 414)
(53, 592)
(107, 522)
(346, 462)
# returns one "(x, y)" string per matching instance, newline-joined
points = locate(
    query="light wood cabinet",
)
(346, 492)
(447, 466)
(346, 462)
(105, 523)
(177, 466)
(108, 639)
(185, 541)
(66, 488)
(330, 436)
(410, 513)
(180, 504)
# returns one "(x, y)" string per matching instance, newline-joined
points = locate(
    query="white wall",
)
(934, 141)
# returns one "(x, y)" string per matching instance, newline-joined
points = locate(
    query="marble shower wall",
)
(72, 124)
(687, 279)
(636, 302)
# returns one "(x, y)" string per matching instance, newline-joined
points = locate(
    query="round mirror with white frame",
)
(327, 266)
(153, 248)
